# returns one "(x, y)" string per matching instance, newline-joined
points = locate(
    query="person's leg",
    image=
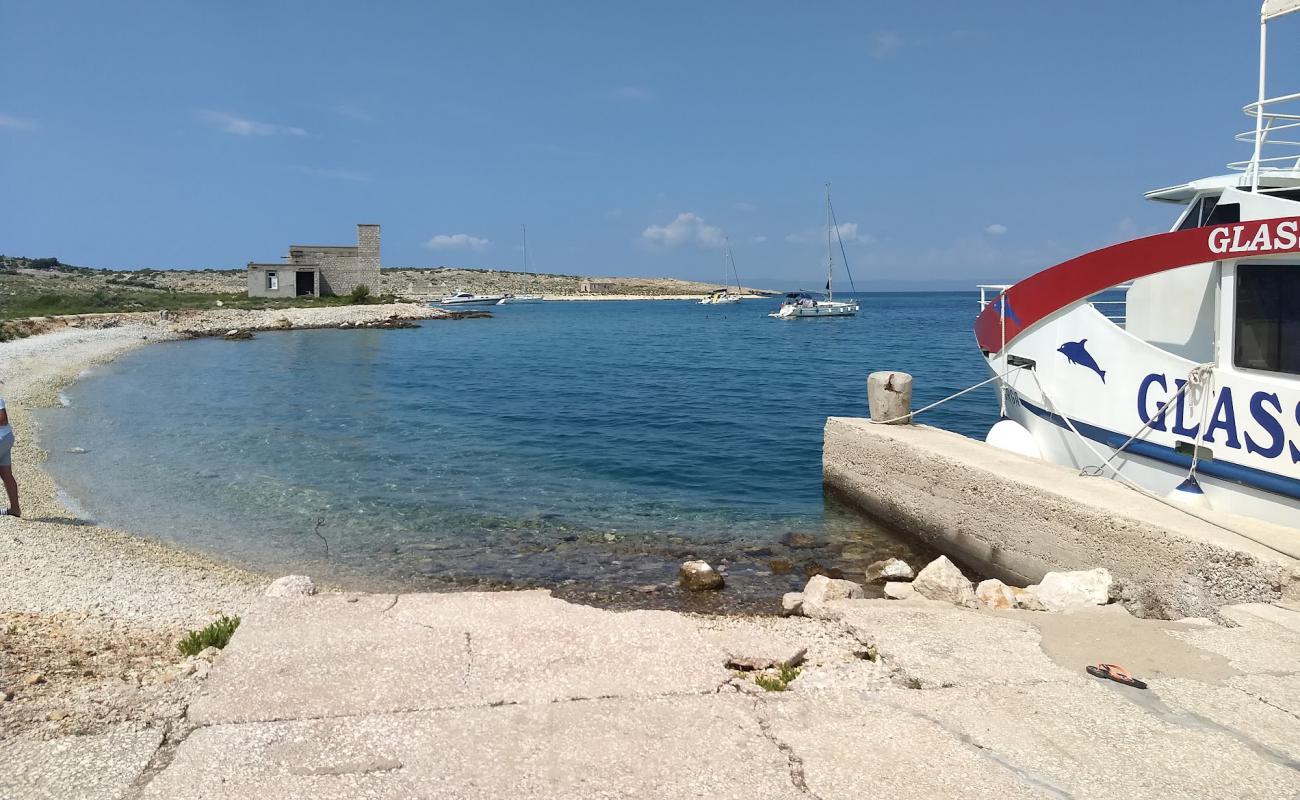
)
(11, 489)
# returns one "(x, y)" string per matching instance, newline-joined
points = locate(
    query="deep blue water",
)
(587, 444)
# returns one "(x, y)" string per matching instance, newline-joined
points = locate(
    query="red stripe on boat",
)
(1047, 292)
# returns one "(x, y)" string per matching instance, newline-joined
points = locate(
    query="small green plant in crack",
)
(215, 635)
(778, 682)
(914, 683)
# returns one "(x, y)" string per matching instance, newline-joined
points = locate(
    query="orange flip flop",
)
(1116, 673)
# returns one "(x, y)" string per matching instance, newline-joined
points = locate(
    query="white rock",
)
(207, 653)
(821, 590)
(698, 576)
(1024, 599)
(1063, 591)
(993, 593)
(900, 590)
(891, 569)
(941, 580)
(791, 604)
(291, 586)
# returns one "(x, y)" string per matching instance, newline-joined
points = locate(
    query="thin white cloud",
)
(745, 207)
(996, 229)
(884, 44)
(639, 93)
(759, 239)
(457, 241)
(242, 126)
(18, 123)
(614, 213)
(686, 228)
(849, 232)
(352, 112)
(335, 174)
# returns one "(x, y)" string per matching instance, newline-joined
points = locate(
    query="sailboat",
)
(803, 304)
(512, 299)
(725, 296)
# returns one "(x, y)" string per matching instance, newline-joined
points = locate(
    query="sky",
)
(964, 142)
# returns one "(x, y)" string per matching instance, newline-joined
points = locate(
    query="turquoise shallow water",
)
(586, 446)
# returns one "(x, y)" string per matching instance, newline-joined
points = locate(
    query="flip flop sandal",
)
(1115, 673)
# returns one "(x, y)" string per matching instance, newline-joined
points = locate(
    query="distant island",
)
(32, 287)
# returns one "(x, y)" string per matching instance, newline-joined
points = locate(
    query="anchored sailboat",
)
(803, 304)
(726, 296)
(513, 299)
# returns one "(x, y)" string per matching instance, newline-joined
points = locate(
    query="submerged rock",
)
(780, 566)
(1065, 591)
(799, 541)
(942, 580)
(698, 576)
(291, 586)
(891, 569)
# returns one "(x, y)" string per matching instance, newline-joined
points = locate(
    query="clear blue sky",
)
(968, 141)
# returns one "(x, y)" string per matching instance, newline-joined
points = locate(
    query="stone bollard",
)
(889, 396)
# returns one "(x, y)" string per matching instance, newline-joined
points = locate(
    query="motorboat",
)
(1172, 362)
(469, 299)
(798, 305)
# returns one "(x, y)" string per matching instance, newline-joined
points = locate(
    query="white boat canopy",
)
(1277, 8)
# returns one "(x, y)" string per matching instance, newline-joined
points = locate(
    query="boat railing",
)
(995, 288)
(1108, 303)
(1279, 130)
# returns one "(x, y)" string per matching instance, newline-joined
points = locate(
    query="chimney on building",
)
(368, 255)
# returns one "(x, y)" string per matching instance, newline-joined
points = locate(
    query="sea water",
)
(584, 446)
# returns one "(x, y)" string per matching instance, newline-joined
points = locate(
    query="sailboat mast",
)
(830, 254)
(524, 229)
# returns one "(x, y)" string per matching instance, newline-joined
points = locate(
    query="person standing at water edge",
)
(6, 460)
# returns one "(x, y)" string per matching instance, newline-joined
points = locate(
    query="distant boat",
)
(513, 299)
(725, 296)
(803, 304)
(469, 299)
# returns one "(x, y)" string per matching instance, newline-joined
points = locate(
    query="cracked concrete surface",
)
(522, 695)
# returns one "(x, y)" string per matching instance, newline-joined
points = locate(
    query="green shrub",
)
(359, 293)
(215, 635)
(779, 682)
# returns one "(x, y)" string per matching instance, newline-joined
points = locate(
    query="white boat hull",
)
(481, 300)
(521, 298)
(725, 300)
(820, 309)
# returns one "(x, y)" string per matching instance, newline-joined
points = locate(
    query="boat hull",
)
(821, 309)
(468, 301)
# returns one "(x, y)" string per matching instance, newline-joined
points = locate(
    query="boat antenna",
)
(843, 255)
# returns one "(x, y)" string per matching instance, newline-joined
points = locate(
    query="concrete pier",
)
(1017, 518)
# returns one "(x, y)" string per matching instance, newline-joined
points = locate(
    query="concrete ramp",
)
(1018, 518)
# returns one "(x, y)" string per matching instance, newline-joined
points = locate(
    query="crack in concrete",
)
(987, 753)
(162, 755)
(794, 763)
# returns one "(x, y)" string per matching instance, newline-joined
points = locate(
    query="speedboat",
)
(469, 299)
(802, 304)
(1172, 362)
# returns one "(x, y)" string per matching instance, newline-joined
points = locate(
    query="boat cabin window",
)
(1206, 211)
(1268, 318)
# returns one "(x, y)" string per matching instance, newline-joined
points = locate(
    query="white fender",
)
(1190, 494)
(1011, 435)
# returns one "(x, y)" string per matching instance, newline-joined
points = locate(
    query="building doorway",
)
(306, 283)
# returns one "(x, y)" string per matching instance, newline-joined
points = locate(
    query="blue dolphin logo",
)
(1076, 353)
(1003, 306)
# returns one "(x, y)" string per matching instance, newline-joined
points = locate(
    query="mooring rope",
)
(1124, 480)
